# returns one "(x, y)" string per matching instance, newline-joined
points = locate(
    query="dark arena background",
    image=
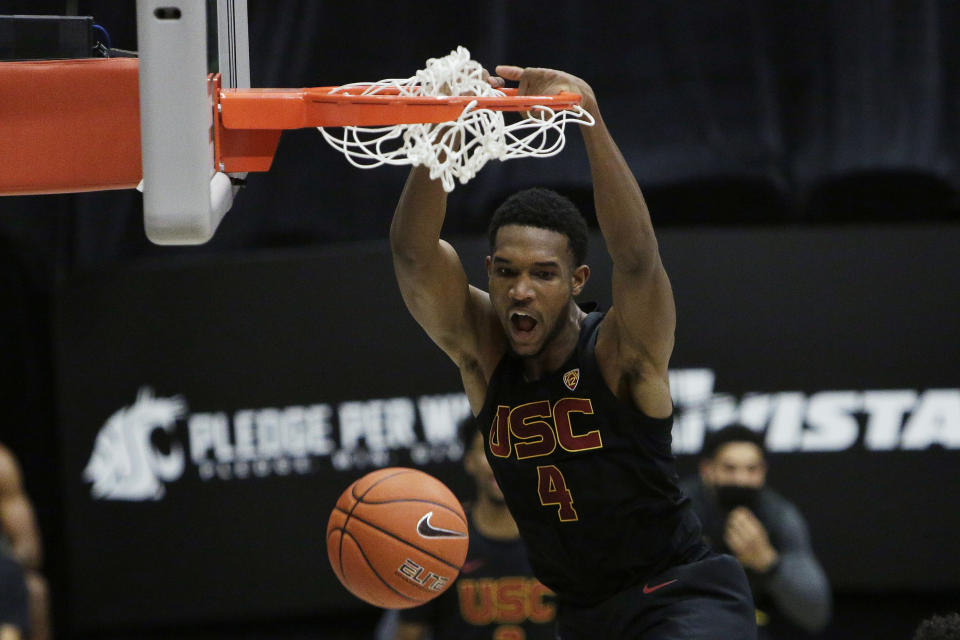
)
(801, 161)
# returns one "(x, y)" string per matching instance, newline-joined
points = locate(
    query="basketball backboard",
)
(180, 42)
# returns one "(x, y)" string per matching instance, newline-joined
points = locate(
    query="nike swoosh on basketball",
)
(427, 530)
(648, 589)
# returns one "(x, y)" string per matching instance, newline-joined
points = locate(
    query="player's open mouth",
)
(523, 325)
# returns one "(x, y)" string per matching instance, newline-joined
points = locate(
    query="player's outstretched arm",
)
(431, 277)
(638, 333)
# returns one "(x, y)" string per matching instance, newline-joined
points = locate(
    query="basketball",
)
(397, 538)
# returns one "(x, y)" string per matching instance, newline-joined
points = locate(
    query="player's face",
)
(475, 462)
(738, 464)
(532, 281)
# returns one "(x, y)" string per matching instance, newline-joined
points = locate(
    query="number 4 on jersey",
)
(553, 491)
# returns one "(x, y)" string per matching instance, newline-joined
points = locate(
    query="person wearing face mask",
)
(762, 529)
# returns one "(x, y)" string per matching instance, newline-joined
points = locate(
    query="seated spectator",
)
(766, 533)
(20, 544)
(13, 600)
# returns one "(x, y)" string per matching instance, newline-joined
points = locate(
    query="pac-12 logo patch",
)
(571, 378)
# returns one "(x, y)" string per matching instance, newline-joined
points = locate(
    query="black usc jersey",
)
(589, 479)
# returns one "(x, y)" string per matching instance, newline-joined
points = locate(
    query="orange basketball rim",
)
(74, 125)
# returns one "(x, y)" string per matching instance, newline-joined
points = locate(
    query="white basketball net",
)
(458, 149)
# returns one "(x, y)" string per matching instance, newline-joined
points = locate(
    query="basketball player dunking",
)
(574, 406)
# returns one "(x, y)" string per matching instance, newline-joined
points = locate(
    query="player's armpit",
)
(445, 305)
(644, 317)
(635, 343)
(429, 273)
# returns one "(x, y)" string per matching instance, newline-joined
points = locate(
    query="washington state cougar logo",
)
(125, 465)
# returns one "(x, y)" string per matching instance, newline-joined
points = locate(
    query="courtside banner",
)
(212, 410)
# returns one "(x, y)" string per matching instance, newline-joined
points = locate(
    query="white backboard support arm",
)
(184, 195)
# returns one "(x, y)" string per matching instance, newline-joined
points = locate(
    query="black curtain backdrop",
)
(779, 115)
(730, 111)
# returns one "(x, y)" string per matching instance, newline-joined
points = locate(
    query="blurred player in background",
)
(20, 543)
(574, 406)
(496, 596)
(765, 532)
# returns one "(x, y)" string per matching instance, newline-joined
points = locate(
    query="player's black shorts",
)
(705, 600)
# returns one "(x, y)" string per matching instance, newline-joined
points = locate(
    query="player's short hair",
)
(546, 209)
(945, 627)
(467, 431)
(731, 433)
